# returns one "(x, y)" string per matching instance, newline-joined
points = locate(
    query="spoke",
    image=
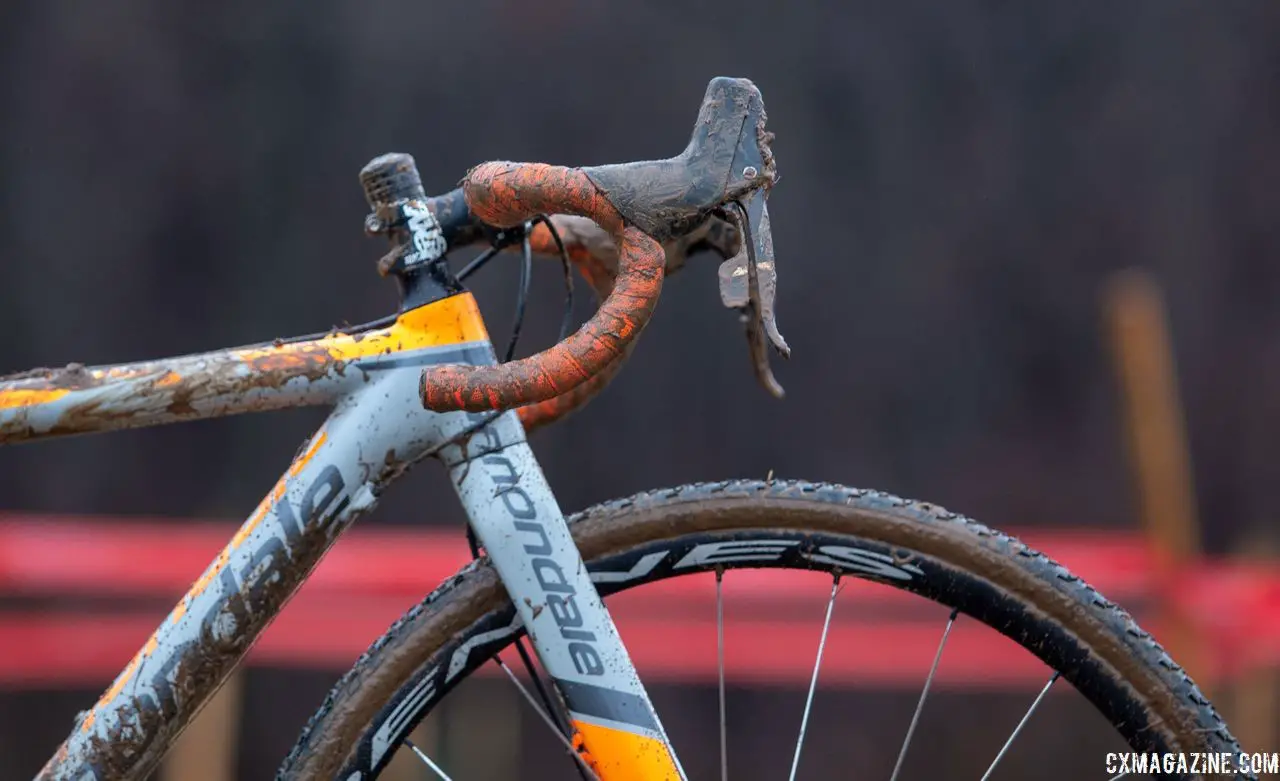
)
(813, 683)
(1117, 778)
(915, 718)
(546, 718)
(562, 722)
(427, 760)
(1018, 728)
(724, 737)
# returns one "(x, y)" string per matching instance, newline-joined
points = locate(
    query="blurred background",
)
(960, 184)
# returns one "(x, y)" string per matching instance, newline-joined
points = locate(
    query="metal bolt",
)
(749, 172)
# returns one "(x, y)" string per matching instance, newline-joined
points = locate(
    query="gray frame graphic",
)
(378, 428)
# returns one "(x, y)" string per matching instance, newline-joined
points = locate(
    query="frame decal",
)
(377, 429)
(516, 518)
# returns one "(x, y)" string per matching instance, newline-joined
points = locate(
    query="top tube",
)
(76, 400)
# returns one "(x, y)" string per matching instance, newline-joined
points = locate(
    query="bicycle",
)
(426, 383)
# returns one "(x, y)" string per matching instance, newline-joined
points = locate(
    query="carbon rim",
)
(856, 534)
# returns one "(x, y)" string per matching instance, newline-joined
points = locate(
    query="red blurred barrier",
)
(880, 636)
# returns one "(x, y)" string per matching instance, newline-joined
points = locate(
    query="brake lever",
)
(749, 283)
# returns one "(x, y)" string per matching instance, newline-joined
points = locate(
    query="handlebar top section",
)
(726, 165)
(727, 159)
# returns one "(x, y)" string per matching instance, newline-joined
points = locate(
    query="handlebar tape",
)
(504, 195)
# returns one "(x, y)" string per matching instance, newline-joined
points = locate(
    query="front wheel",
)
(1092, 643)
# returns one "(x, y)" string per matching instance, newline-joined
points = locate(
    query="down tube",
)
(334, 479)
(516, 517)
